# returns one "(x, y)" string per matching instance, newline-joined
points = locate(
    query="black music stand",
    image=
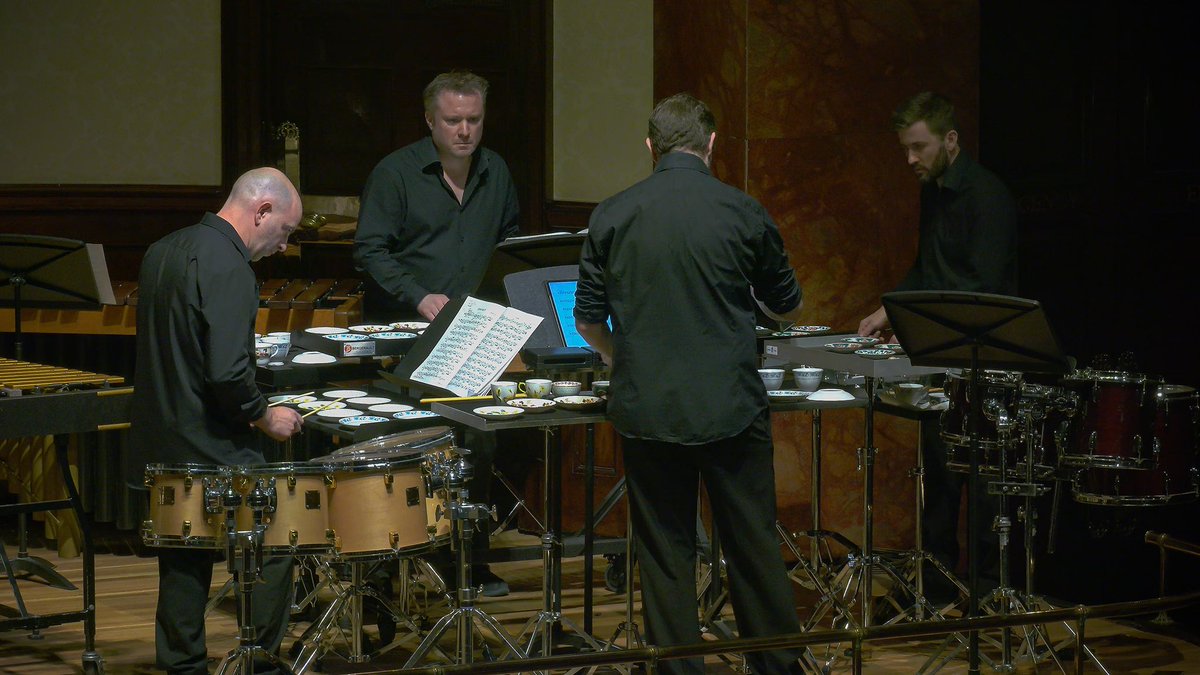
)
(518, 254)
(51, 273)
(971, 330)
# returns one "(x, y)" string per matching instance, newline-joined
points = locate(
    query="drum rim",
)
(276, 469)
(190, 467)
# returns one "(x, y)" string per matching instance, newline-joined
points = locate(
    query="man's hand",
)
(279, 423)
(431, 305)
(873, 325)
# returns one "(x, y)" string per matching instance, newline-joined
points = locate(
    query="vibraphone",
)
(284, 304)
(36, 401)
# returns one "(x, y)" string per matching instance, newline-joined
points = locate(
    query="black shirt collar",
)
(430, 162)
(679, 159)
(956, 173)
(221, 225)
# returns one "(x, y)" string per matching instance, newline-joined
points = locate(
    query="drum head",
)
(393, 446)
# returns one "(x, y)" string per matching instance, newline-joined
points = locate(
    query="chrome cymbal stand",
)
(243, 550)
(464, 615)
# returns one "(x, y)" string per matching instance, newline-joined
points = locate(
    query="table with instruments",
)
(40, 400)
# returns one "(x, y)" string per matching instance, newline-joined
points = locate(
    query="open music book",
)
(467, 347)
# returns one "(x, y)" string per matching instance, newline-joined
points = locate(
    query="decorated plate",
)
(414, 414)
(292, 399)
(580, 402)
(345, 337)
(343, 393)
(843, 347)
(324, 330)
(787, 394)
(410, 326)
(830, 395)
(894, 346)
(337, 413)
(367, 400)
(313, 357)
(390, 408)
(862, 340)
(533, 405)
(322, 405)
(498, 412)
(359, 420)
(394, 335)
(811, 329)
(371, 328)
(875, 353)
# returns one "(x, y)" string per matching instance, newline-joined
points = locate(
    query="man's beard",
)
(939, 166)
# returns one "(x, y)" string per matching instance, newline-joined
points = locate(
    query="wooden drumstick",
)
(289, 399)
(327, 406)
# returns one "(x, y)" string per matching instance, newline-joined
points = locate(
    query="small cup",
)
(909, 393)
(772, 377)
(503, 391)
(600, 387)
(263, 352)
(807, 378)
(565, 388)
(281, 336)
(536, 388)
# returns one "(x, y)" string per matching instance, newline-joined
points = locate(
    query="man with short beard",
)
(968, 242)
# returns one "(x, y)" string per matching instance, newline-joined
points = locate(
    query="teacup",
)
(536, 388)
(281, 336)
(909, 393)
(503, 391)
(566, 388)
(772, 377)
(807, 378)
(600, 387)
(264, 352)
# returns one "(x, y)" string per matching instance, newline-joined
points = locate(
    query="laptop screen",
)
(562, 298)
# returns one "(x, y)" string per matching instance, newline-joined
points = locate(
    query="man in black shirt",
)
(432, 212)
(195, 399)
(968, 242)
(678, 261)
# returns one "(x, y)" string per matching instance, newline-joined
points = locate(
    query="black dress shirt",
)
(194, 392)
(414, 237)
(968, 239)
(673, 260)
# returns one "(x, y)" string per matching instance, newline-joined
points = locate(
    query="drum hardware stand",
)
(249, 545)
(541, 628)
(628, 627)
(518, 506)
(464, 613)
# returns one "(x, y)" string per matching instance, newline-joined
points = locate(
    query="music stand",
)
(518, 254)
(51, 273)
(957, 329)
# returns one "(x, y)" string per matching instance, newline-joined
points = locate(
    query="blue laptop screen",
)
(562, 298)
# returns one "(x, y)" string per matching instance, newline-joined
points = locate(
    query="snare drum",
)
(1116, 416)
(378, 507)
(186, 505)
(297, 511)
(1000, 390)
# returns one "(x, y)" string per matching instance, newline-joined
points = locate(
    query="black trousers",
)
(943, 501)
(184, 580)
(739, 476)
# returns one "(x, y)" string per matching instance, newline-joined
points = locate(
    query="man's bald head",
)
(264, 207)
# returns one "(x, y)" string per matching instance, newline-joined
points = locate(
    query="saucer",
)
(894, 346)
(831, 395)
(414, 414)
(533, 405)
(313, 357)
(411, 326)
(292, 399)
(324, 330)
(322, 405)
(336, 413)
(788, 394)
(580, 402)
(359, 420)
(862, 340)
(498, 412)
(843, 347)
(394, 335)
(344, 393)
(345, 337)
(368, 400)
(811, 329)
(371, 328)
(875, 353)
(390, 408)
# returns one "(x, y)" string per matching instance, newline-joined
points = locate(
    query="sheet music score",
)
(479, 343)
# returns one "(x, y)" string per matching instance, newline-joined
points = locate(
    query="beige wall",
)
(120, 92)
(603, 77)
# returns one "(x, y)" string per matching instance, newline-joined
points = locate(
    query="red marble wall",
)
(803, 92)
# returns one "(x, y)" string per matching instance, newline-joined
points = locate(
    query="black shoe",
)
(493, 586)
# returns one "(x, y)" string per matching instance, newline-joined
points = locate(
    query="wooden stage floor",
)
(126, 584)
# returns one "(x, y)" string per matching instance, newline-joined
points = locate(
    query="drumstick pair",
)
(327, 406)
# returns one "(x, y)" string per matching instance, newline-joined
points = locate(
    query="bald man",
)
(195, 399)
